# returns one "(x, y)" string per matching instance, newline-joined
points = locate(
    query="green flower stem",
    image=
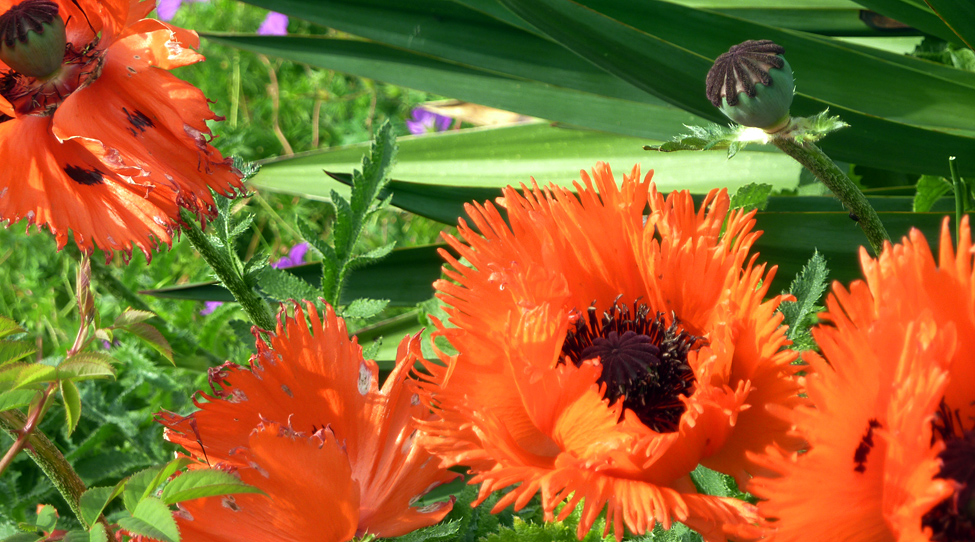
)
(230, 275)
(48, 458)
(961, 196)
(820, 165)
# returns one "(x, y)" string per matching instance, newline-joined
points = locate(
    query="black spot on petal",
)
(84, 176)
(866, 444)
(138, 120)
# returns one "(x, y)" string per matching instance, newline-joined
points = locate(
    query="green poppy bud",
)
(32, 38)
(752, 85)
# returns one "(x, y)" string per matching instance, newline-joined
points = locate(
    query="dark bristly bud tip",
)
(32, 38)
(752, 85)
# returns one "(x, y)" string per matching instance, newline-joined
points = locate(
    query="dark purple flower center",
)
(644, 360)
(953, 519)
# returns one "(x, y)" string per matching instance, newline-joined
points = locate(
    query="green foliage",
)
(752, 196)
(800, 315)
(930, 188)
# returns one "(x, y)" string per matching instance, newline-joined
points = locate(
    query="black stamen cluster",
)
(644, 360)
(740, 68)
(953, 519)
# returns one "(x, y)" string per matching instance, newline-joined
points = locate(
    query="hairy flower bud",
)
(752, 85)
(32, 38)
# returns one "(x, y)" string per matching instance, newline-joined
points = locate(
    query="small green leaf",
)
(30, 374)
(87, 365)
(154, 519)
(72, 404)
(132, 316)
(372, 256)
(139, 486)
(309, 235)
(98, 533)
(930, 188)
(47, 518)
(168, 470)
(9, 327)
(14, 350)
(196, 484)
(282, 285)
(95, 499)
(711, 482)
(808, 288)
(16, 399)
(152, 337)
(751, 196)
(364, 308)
(104, 334)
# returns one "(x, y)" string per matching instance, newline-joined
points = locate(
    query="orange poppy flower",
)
(309, 426)
(109, 144)
(603, 354)
(891, 429)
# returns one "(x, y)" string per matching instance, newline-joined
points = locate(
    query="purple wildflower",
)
(166, 9)
(426, 122)
(210, 307)
(296, 256)
(275, 24)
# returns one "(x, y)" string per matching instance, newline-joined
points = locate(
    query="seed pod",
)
(32, 38)
(752, 85)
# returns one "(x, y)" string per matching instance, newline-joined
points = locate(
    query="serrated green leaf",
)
(930, 188)
(138, 486)
(16, 399)
(372, 256)
(104, 334)
(14, 350)
(282, 285)
(87, 365)
(94, 500)
(152, 337)
(9, 327)
(808, 288)
(342, 229)
(709, 482)
(154, 519)
(98, 533)
(77, 536)
(72, 404)
(168, 470)
(197, 484)
(752, 196)
(364, 308)
(29, 374)
(313, 238)
(440, 532)
(47, 518)
(132, 316)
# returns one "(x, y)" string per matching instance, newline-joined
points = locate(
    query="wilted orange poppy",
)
(96, 136)
(309, 426)
(603, 354)
(891, 429)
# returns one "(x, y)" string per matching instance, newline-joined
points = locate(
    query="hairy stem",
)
(47, 456)
(820, 165)
(253, 304)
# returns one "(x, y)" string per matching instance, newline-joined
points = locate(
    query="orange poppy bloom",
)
(109, 144)
(891, 428)
(309, 426)
(603, 354)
